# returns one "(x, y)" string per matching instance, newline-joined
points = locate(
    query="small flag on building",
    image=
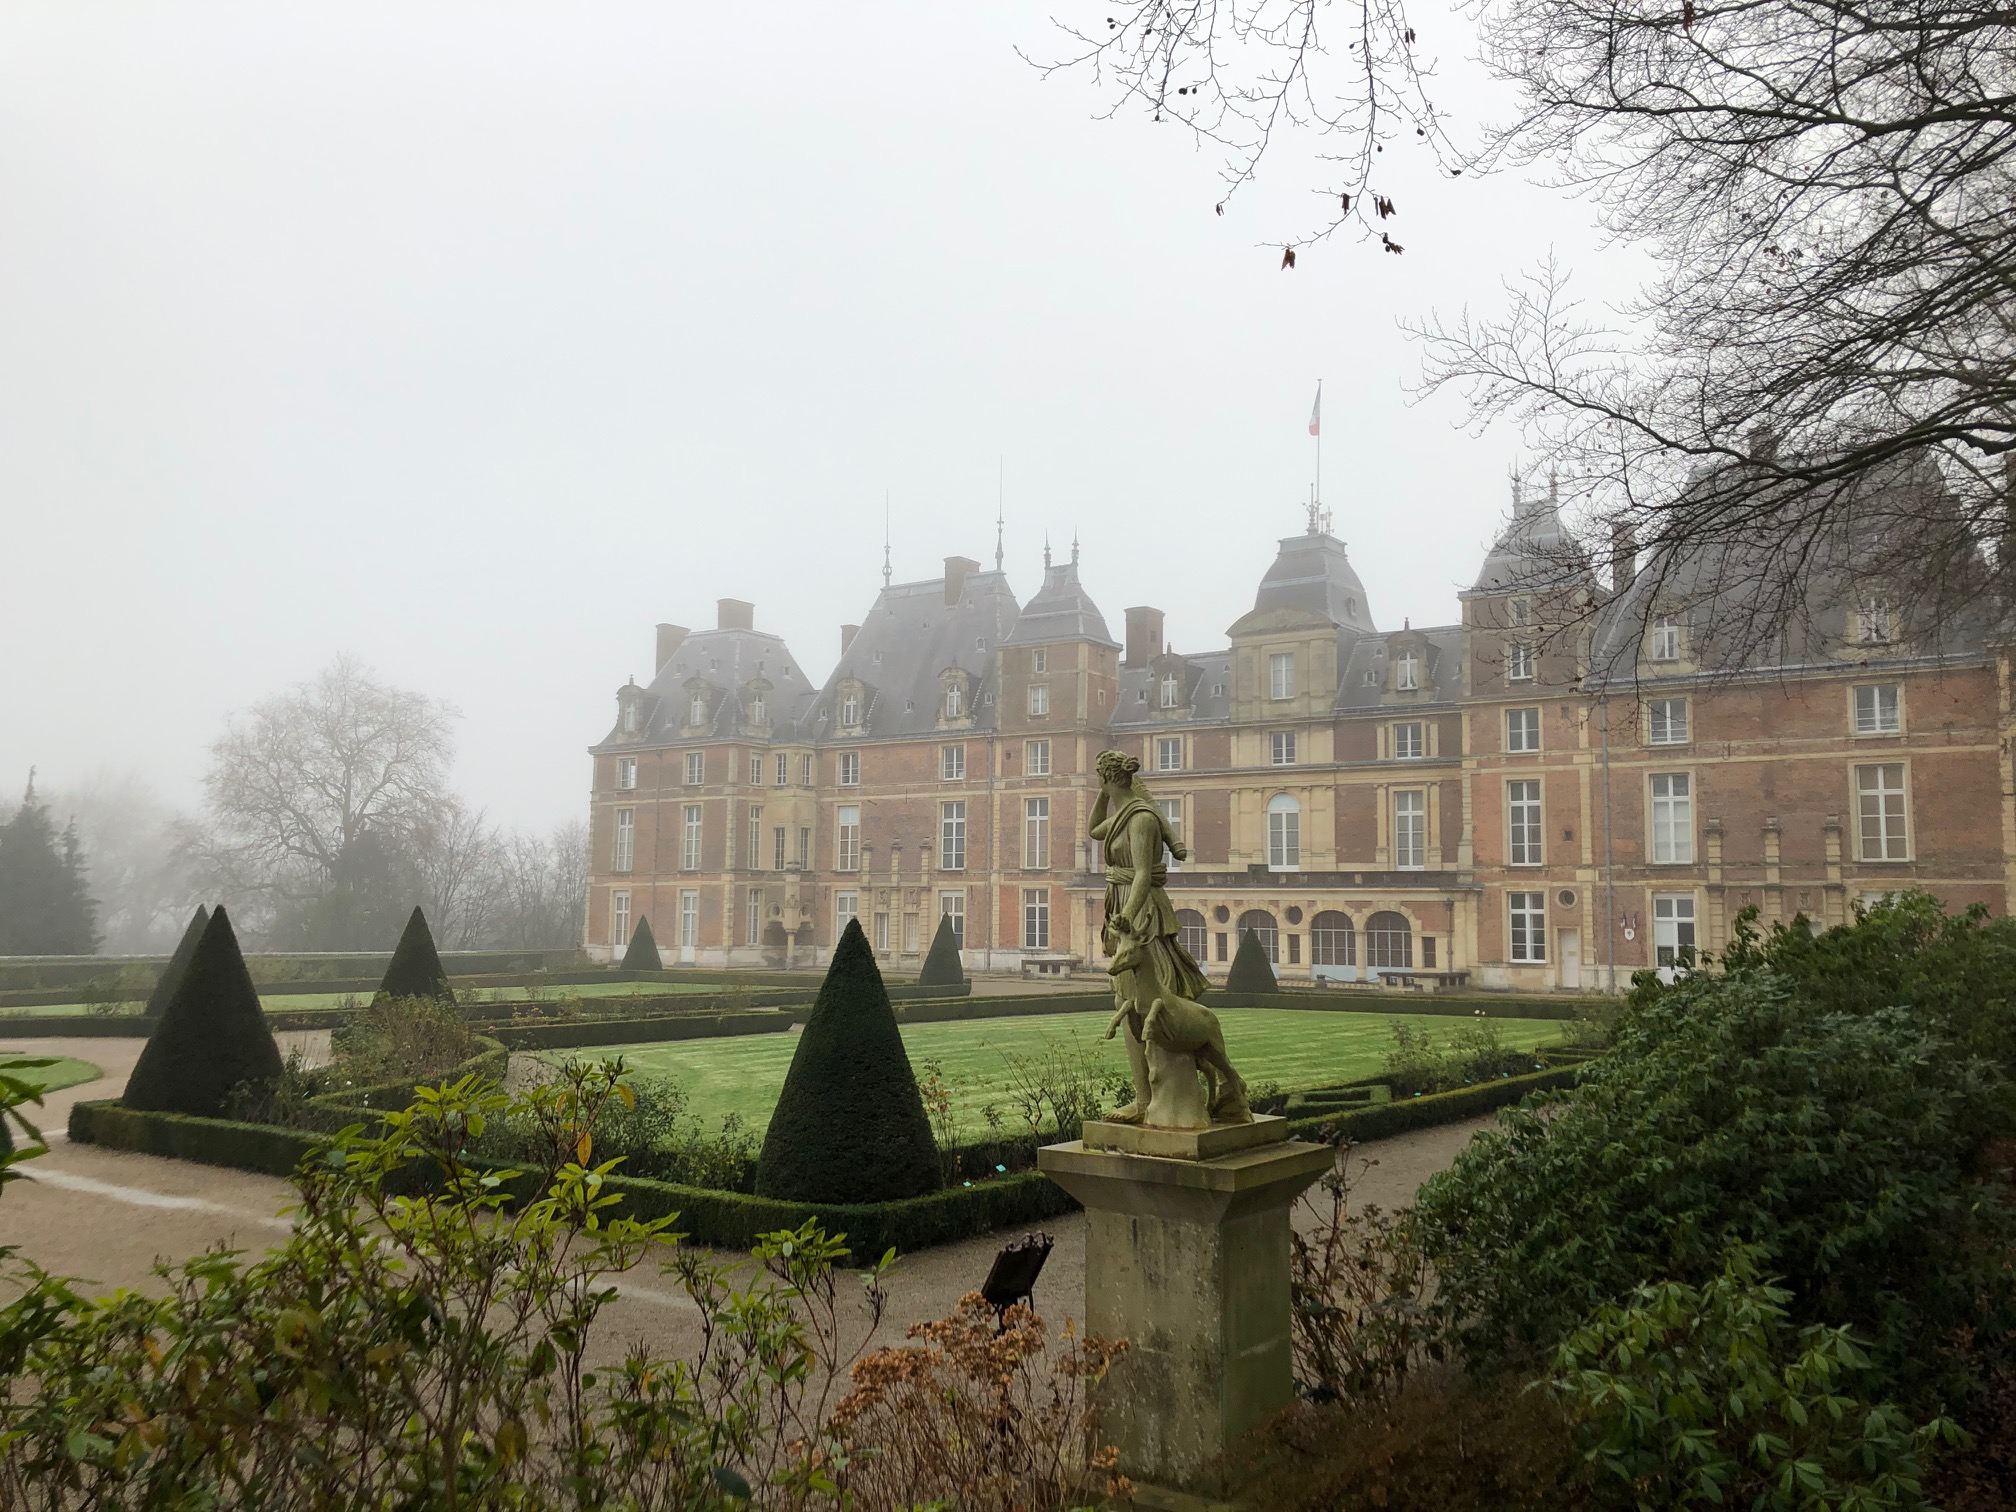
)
(1316, 411)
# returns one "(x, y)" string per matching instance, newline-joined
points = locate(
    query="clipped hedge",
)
(1383, 1120)
(565, 1034)
(492, 1061)
(264, 1148)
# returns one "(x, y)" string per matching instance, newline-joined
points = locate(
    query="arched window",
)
(1171, 689)
(1191, 923)
(955, 700)
(1407, 672)
(630, 718)
(850, 709)
(1284, 833)
(1331, 940)
(1389, 942)
(1262, 924)
(696, 711)
(759, 712)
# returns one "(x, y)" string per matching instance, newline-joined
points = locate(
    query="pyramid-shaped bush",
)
(850, 1125)
(416, 971)
(941, 966)
(643, 952)
(212, 1034)
(178, 963)
(1251, 970)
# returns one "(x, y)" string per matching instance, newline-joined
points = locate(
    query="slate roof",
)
(1367, 654)
(907, 640)
(1534, 551)
(1313, 573)
(727, 661)
(1140, 706)
(1062, 610)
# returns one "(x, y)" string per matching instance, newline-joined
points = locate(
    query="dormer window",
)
(696, 710)
(955, 701)
(1522, 611)
(1876, 623)
(1407, 672)
(759, 712)
(850, 709)
(1665, 639)
(1171, 690)
(630, 718)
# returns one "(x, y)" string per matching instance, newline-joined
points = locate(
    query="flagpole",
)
(1319, 444)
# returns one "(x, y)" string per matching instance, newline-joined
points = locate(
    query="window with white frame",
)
(1281, 675)
(689, 919)
(1665, 639)
(1410, 830)
(1672, 819)
(1036, 833)
(1876, 622)
(1522, 729)
(696, 768)
(952, 763)
(619, 918)
(1522, 815)
(804, 846)
(955, 701)
(1036, 758)
(755, 851)
(625, 847)
(626, 771)
(1519, 662)
(805, 771)
(1172, 812)
(1666, 721)
(1172, 690)
(1192, 933)
(696, 709)
(846, 909)
(1408, 742)
(1880, 812)
(1879, 710)
(847, 838)
(1529, 925)
(1284, 833)
(783, 770)
(952, 905)
(1039, 661)
(1035, 918)
(689, 839)
(1522, 611)
(1039, 700)
(777, 850)
(755, 769)
(759, 711)
(754, 921)
(850, 769)
(1407, 672)
(1168, 753)
(630, 717)
(850, 710)
(1281, 747)
(952, 837)
(882, 933)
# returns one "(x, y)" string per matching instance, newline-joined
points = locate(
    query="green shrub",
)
(942, 967)
(211, 1036)
(1251, 970)
(643, 952)
(653, 1133)
(401, 1039)
(415, 970)
(1475, 1053)
(178, 963)
(849, 1125)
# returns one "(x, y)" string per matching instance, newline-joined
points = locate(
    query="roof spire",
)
(1046, 551)
(999, 495)
(1074, 546)
(885, 538)
(1518, 493)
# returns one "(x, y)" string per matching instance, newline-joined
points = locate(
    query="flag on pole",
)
(1316, 411)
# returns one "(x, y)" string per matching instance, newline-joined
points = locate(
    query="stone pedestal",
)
(1187, 1259)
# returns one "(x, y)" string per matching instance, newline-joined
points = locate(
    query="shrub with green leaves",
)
(212, 1036)
(643, 952)
(1251, 970)
(400, 1039)
(942, 967)
(415, 969)
(178, 963)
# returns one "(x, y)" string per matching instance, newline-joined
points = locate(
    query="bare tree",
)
(542, 890)
(459, 861)
(140, 878)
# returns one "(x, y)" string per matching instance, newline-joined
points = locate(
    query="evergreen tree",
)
(941, 966)
(1251, 970)
(178, 963)
(211, 1037)
(850, 1124)
(643, 952)
(416, 970)
(45, 907)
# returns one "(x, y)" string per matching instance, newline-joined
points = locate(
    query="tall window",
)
(689, 841)
(1876, 622)
(1039, 661)
(1168, 753)
(777, 850)
(783, 769)
(1389, 942)
(1281, 746)
(1522, 811)
(952, 837)
(882, 932)
(696, 768)
(846, 908)
(805, 771)
(952, 763)
(952, 905)
(1036, 758)
(847, 838)
(1522, 611)
(1172, 811)
(619, 918)
(1035, 918)
(755, 769)
(1519, 662)
(1672, 931)
(1036, 832)
(1039, 699)
(1879, 710)
(696, 710)
(689, 919)
(1284, 833)
(1529, 925)
(804, 846)
(1190, 923)
(626, 771)
(1262, 924)
(630, 717)
(955, 701)
(1665, 639)
(1407, 672)
(850, 768)
(850, 710)
(1407, 742)
(1666, 721)
(1672, 818)
(759, 711)
(1172, 690)
(755, 918)
(1332, 942)
(1522, 729)
(1879, 807)
(755, 851)
(626, 840)
(1281, 675)
(1410, 831)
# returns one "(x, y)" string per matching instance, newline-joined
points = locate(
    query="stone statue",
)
(1182, 1078)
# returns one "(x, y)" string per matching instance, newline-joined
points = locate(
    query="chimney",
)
(956, 570)
(734, 614)
(669, 637)
(1623, 557)
(847, 634)
(1144, 636)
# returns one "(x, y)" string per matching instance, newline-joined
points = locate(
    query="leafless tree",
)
(541, 890)
(140, 879)
(459, 860)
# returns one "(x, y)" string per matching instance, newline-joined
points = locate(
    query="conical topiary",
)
(850, 1125)
(1251, 970)
(416, 966)
(941, 966)
(211, 1036)
(643, 952)
(171, 974)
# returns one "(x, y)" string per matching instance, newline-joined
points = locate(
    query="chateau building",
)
(1566, 785)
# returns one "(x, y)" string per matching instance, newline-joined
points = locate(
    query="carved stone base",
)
(1177, 1098)
(1185, 1144)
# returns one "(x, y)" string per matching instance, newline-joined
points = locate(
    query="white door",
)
(1672, 933)
(1569, 943)
(689, 925)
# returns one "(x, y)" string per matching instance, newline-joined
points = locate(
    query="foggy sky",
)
(475, 339)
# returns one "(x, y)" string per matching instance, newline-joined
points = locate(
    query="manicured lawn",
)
(65, 1073)
(1293, 1047)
